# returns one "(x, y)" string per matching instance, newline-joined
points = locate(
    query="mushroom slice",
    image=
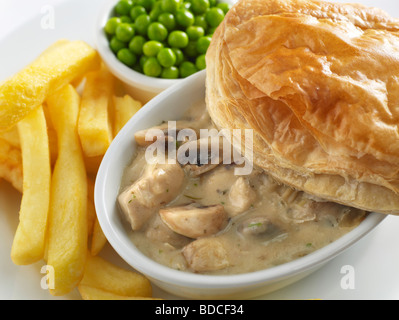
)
(194, 220)
(259, 227)
(202, 155)
(167, 132)
(206, 254)
(158, 231)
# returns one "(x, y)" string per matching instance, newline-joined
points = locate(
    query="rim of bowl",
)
(123, 72)
(136, 259)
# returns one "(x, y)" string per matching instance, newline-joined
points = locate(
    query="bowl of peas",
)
(151, 45)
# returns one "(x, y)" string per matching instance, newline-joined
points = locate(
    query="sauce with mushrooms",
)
(205, 219)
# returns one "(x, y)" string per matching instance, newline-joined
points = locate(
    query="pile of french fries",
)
(58, 117)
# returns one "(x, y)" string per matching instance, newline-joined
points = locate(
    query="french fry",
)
(93, 164)
(125, 108)
(106, 276)
(95, 128)
(98, 239)
(29, 240)
(11, 136)
(11, 165)
(90, 293)
(90, 188)
(67, 232)
(52, 135)
(56, 67)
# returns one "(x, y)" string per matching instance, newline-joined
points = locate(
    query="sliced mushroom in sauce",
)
(194, 220)
(260, 228)
(200, 156)
(157, 230)
(166, 133)
(233, 224)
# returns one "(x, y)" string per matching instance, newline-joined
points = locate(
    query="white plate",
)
(374, 260)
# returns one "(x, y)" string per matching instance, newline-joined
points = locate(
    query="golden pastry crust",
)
(318, 83)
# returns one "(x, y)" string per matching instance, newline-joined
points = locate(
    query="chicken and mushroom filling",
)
(204, 218)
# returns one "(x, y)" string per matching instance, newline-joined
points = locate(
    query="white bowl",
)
(170, 105)
(140, 86)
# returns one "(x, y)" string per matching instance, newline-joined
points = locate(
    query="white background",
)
(13, 13)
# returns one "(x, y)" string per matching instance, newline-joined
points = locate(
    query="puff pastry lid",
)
(318, 83)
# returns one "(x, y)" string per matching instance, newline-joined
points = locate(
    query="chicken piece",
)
(194, 220)
(159, 185)
(241, 196)
(206, 254)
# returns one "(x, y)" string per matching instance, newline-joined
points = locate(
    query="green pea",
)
(154, 14)
(157, 31)
(187, 68)
(200, 62)
(136, 44)
(191, 49)
(123, 7)
(185, 18)
(211, 31)
(170, 5)
(224, 6)
(200, 6)
(170, 73)
(142, 60)
(166, 57)
(147, 4)
(137, 11)
(151, 67)
(112, 23)
(127, 57)
(124, 32)
(203, 44)
(151, 48)
(201, 22)
(186, 5)
(195, 32)
(168, 20)
(116, 44)
(141, 24)
(156, 10)
(214, 16)
(141, 29)
(179, 56)
(178, 39)
(126, 19)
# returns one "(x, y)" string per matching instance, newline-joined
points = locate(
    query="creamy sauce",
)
(266, 223)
